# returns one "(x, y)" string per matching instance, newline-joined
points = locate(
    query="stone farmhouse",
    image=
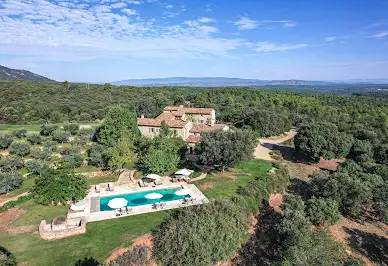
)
(187, 123)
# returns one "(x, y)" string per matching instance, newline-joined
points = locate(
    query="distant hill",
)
(213, 82)
(7, 73)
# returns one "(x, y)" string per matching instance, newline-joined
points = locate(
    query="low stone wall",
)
(71, 227)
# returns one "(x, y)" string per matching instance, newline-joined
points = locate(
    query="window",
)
(201, 121)
(151, 130)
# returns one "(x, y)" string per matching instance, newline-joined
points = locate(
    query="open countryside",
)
(192, 133)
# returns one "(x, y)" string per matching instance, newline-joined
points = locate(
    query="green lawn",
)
(87, 168)
(105, 179)
(9, 127)
(100, 239)
(26, 185)
(224, 185)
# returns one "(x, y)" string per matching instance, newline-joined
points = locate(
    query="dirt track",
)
(262, 150)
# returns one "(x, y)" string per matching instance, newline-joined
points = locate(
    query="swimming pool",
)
(139, 198)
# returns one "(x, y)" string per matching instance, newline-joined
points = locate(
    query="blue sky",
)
(111, 40)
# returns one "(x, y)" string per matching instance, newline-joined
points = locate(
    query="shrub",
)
(19, 148)
(134, 257)
(34, 139)
(73, 128)
(200, 235)
(60, 135)
(14, 203)
(41, 154)
(52, 145)
(322, 211)
(5, 141)
(36, 166)
(361, 151)
(68, 150)
(9, 181)
(7, 258)
(73, 160)
(58, 186)
(96, 154)
(21, 133)
(47, 129)
(11, 163)
(382, 154)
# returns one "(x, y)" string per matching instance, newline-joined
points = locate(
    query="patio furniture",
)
(110, 187)
(163, 205)
(141, 183)
(158, 182)
(123, 210)
(97, 188)
(129, 210)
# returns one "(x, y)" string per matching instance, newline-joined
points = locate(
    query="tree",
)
(58, 186)
(20, 148)
(73, 128)
(60, 135)
(36, 166)
(5, 141)
(34, 139)
(361, 151)
(265, 122)
(122, 153)
(11, 163)
(42, 154)
(382, 154)
(107, 86)
(47, 129)
(322, 140)
(9, 181)
(119, 122)
(322, 211)
(6, 257)
(97, 155)
(226, 148)
(73, 160)
(21, 133)
(200, 235)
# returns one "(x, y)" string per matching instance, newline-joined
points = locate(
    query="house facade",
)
(187, 123)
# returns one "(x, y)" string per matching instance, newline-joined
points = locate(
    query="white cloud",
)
(128, 11)
(59, 30)
(273, 47)
(134, 2)
(169, 6)
(245, 23)
(206, 20)
(381, 34)
(335, 38)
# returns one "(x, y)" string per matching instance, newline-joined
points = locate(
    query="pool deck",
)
(92, 211)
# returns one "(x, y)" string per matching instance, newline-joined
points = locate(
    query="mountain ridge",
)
(7, 73)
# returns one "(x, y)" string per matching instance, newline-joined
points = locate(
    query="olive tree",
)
(20, 148)
(5, 141)
(34, 139)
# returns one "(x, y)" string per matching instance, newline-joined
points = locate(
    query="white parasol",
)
(153, 176)
(154, 196)
(183, 192)
(117, 203)
(185, 172)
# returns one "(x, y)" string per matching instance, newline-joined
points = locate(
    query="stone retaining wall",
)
(72, 227)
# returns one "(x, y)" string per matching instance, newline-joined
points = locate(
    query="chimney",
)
(142, 116)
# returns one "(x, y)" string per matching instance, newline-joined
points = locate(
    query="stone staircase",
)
(126, 178)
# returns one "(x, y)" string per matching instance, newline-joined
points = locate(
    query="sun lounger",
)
(97, 188)
(141, 183)
(158, 182)
(110, 187)
(129, 210)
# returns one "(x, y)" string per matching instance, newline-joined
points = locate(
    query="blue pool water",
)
(138, 199)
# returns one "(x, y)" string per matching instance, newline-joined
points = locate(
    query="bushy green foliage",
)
(7, 258)
(265, 122)
(322, 140)
(200, 235)
(11, 163)
(69, 150)
(36, 166)
(137, 256)
(50, 145)
(14, 203)
(60, 135)
(5, 141)
(20, 148)
(322, 211)
(34, 139)
(47, 129)
(382, 154)
(121, 153)
(20, 133)
(73, 128)
(58, 186)
(361, 151)
(42, 154)
(97, 155)
(73, 160)
(119, 122)
(9, 181)
(226, 148)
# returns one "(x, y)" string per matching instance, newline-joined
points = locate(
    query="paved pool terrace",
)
(93, 213)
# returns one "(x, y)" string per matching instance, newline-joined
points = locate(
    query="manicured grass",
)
(225, 185)
(100, 239)
(9, 127)
(26, 185)
(87, 169)
(105, 179)
(36, 212)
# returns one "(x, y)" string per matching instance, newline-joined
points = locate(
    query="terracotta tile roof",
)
(157, 122)
(171, 108)
(199, 128)
(193, 139)
(182, 111)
